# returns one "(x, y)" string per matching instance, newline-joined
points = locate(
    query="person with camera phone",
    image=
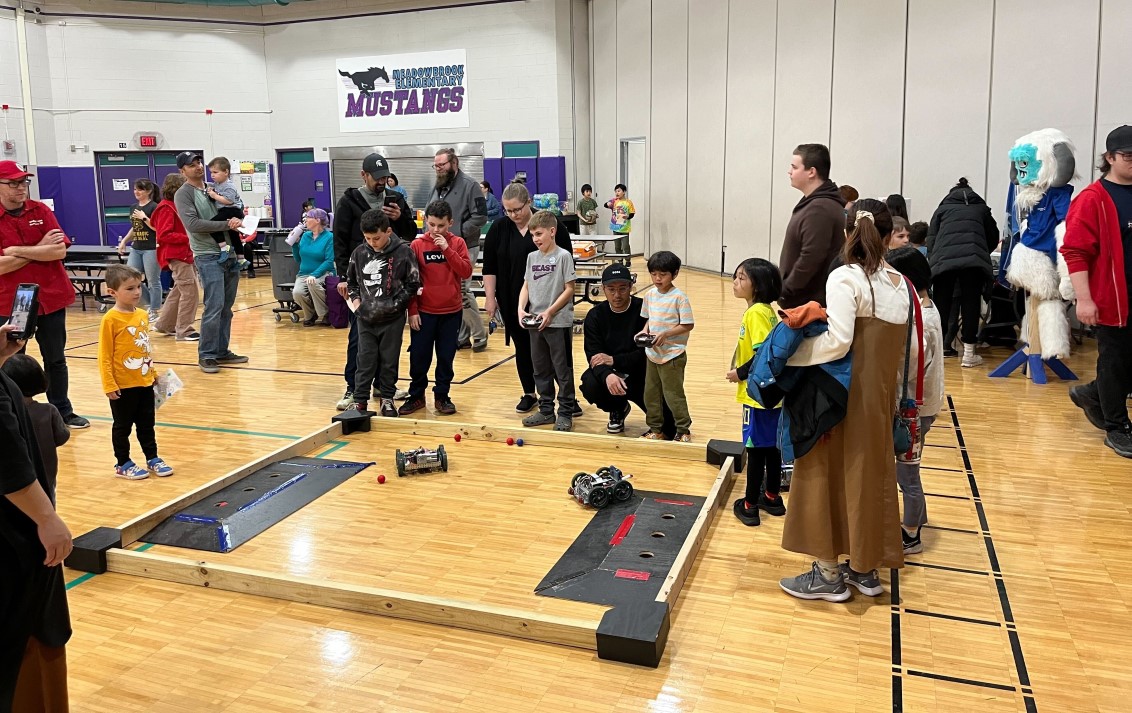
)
(32, 248)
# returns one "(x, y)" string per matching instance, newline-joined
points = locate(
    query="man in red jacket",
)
(1098, 251)
(436, 314)
(32, 248)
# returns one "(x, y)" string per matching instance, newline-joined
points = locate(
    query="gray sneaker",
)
(539, 419)
(867, 583)
(812, 585)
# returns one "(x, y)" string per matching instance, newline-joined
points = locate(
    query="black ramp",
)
(625, 552)
(227, 519)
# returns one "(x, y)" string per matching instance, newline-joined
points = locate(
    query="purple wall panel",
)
(552, 176)
(322, 197)
(493, 174)
(76, 205)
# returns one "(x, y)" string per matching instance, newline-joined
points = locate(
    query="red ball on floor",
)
(510, 441)
(456, 438)
(381, 479)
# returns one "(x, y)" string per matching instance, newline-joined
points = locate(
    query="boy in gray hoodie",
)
(382, 277)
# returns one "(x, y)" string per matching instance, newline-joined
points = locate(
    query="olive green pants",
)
(665, 383)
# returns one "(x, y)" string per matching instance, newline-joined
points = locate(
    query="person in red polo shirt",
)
(32, 248)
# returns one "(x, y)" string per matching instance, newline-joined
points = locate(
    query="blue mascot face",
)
(1026, 163)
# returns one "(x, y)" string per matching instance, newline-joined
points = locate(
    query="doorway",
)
(115, 177)
(634, 174)
(300, 179)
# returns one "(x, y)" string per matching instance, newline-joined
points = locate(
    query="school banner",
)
(396, 92)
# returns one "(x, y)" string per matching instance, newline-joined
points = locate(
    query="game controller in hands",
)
(644, 339)
(531, 321)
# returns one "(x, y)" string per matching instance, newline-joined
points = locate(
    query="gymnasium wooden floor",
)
(1017, 604)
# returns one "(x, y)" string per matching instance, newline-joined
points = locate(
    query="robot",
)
(421, 460)
(599, 489)
(531, 322)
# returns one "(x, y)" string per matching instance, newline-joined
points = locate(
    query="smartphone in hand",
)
(25, 309)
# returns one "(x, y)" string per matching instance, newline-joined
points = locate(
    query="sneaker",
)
(526, 404)
(970, 360)
(388, 409)
(159, 467)
(345, 402)
(480, 346)
(208, 366)
(76, 422)
(747, 516)
(411, 406)
(539, 419)
(950, 352)
(310, 322)
(683, 438)
(564, 423)
(1085, 399)
(163, 333)
(772, 506)
(399, 395)
(130, 471)
(617, 420)
(912, 543)
(359, 406)
(232, 358)
(867, 583)
(152, 317)
(577, 412)
(444, 406)
(1120, 441)
(812, 585)
(190, 337)
(654, 436)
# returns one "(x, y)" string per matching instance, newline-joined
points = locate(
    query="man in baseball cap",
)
(1098, 253)
(616, 374)
(188, 158)
(371, 195)
(32, 248)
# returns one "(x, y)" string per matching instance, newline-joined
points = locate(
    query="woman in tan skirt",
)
(843, 497)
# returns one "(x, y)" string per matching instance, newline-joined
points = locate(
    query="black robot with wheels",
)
(421, 460)
(607, 485)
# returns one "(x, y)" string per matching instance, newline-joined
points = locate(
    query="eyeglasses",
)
(515, 211)
(24, 183)
(439, 166)
(1126, 155)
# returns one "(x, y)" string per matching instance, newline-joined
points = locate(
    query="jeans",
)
(908, 478)
(219, 280)
(437, 331)
(51, 335)
(351, 370)
(145, 261)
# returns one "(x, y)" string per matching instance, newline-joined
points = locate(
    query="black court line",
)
(80, 346)
(952, 617)
(940, 445)
(945, 568)
(946, 470)
(952, 497)
(964, 681)
(952, 529)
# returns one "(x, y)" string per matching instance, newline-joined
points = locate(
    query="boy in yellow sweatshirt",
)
(128, 374)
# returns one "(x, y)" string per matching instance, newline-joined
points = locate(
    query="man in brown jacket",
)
(816, 231)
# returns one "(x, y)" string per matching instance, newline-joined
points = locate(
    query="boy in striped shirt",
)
(669, 315)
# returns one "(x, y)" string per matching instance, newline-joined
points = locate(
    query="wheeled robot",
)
(607, 485)
(421, 460)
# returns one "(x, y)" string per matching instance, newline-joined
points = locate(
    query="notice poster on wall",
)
(398, 92)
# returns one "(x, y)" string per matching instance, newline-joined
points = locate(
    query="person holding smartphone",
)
(32, 248)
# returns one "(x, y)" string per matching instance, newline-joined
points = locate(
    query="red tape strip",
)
(632, 574)
(626, 525)
(674, 502)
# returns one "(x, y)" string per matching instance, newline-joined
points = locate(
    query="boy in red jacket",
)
(435, 315)
(1098, 252)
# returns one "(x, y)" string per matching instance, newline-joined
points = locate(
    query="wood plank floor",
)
(1018, 602)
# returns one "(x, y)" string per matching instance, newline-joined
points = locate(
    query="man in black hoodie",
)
(348, 236)
(816, 232)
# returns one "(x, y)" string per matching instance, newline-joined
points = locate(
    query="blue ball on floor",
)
(519, 442)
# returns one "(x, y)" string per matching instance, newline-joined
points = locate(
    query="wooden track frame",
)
(633, 634)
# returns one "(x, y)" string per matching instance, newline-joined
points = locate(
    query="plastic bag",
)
(165, 386)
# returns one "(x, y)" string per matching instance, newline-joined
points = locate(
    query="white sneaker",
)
(970, 358)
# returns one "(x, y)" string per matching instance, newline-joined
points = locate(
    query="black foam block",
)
(89, 554)
(634, 634)
(353, 421)
(717, 452)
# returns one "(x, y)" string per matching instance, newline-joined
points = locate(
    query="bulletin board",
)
(253, 180)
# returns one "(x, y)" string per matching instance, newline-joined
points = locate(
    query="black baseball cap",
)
(1119, 139)
(615, 273)
(186, 157)
(376, 166)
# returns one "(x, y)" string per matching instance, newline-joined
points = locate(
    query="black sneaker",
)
(76, 422)
(1120, 441)
(231, 358)
(577, 410)
(1084, 399)
(772, 507)
(526, 404)
(411, 406)
(912, 543)
(208, 366)
(617, 421)
(747, 516)
(388, 410)
(444, 406)
(949, 352)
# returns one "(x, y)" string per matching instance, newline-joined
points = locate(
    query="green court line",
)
(79, 580)
(336, 446)
(212, 429)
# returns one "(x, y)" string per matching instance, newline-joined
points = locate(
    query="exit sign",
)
(148, 140)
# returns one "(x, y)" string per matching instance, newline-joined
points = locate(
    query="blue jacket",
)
(315, 256)
(494, 207)
(814, 398)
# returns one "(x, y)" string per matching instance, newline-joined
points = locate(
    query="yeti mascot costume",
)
(1042, 166)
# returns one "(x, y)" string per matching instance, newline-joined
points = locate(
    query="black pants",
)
(234, 238)
(133, 408)
(970, 282)
(597, 393)
(521, 343)
(379, 354)
(1114, 374)
(764, 472)
(439, 332)
(51, 335)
